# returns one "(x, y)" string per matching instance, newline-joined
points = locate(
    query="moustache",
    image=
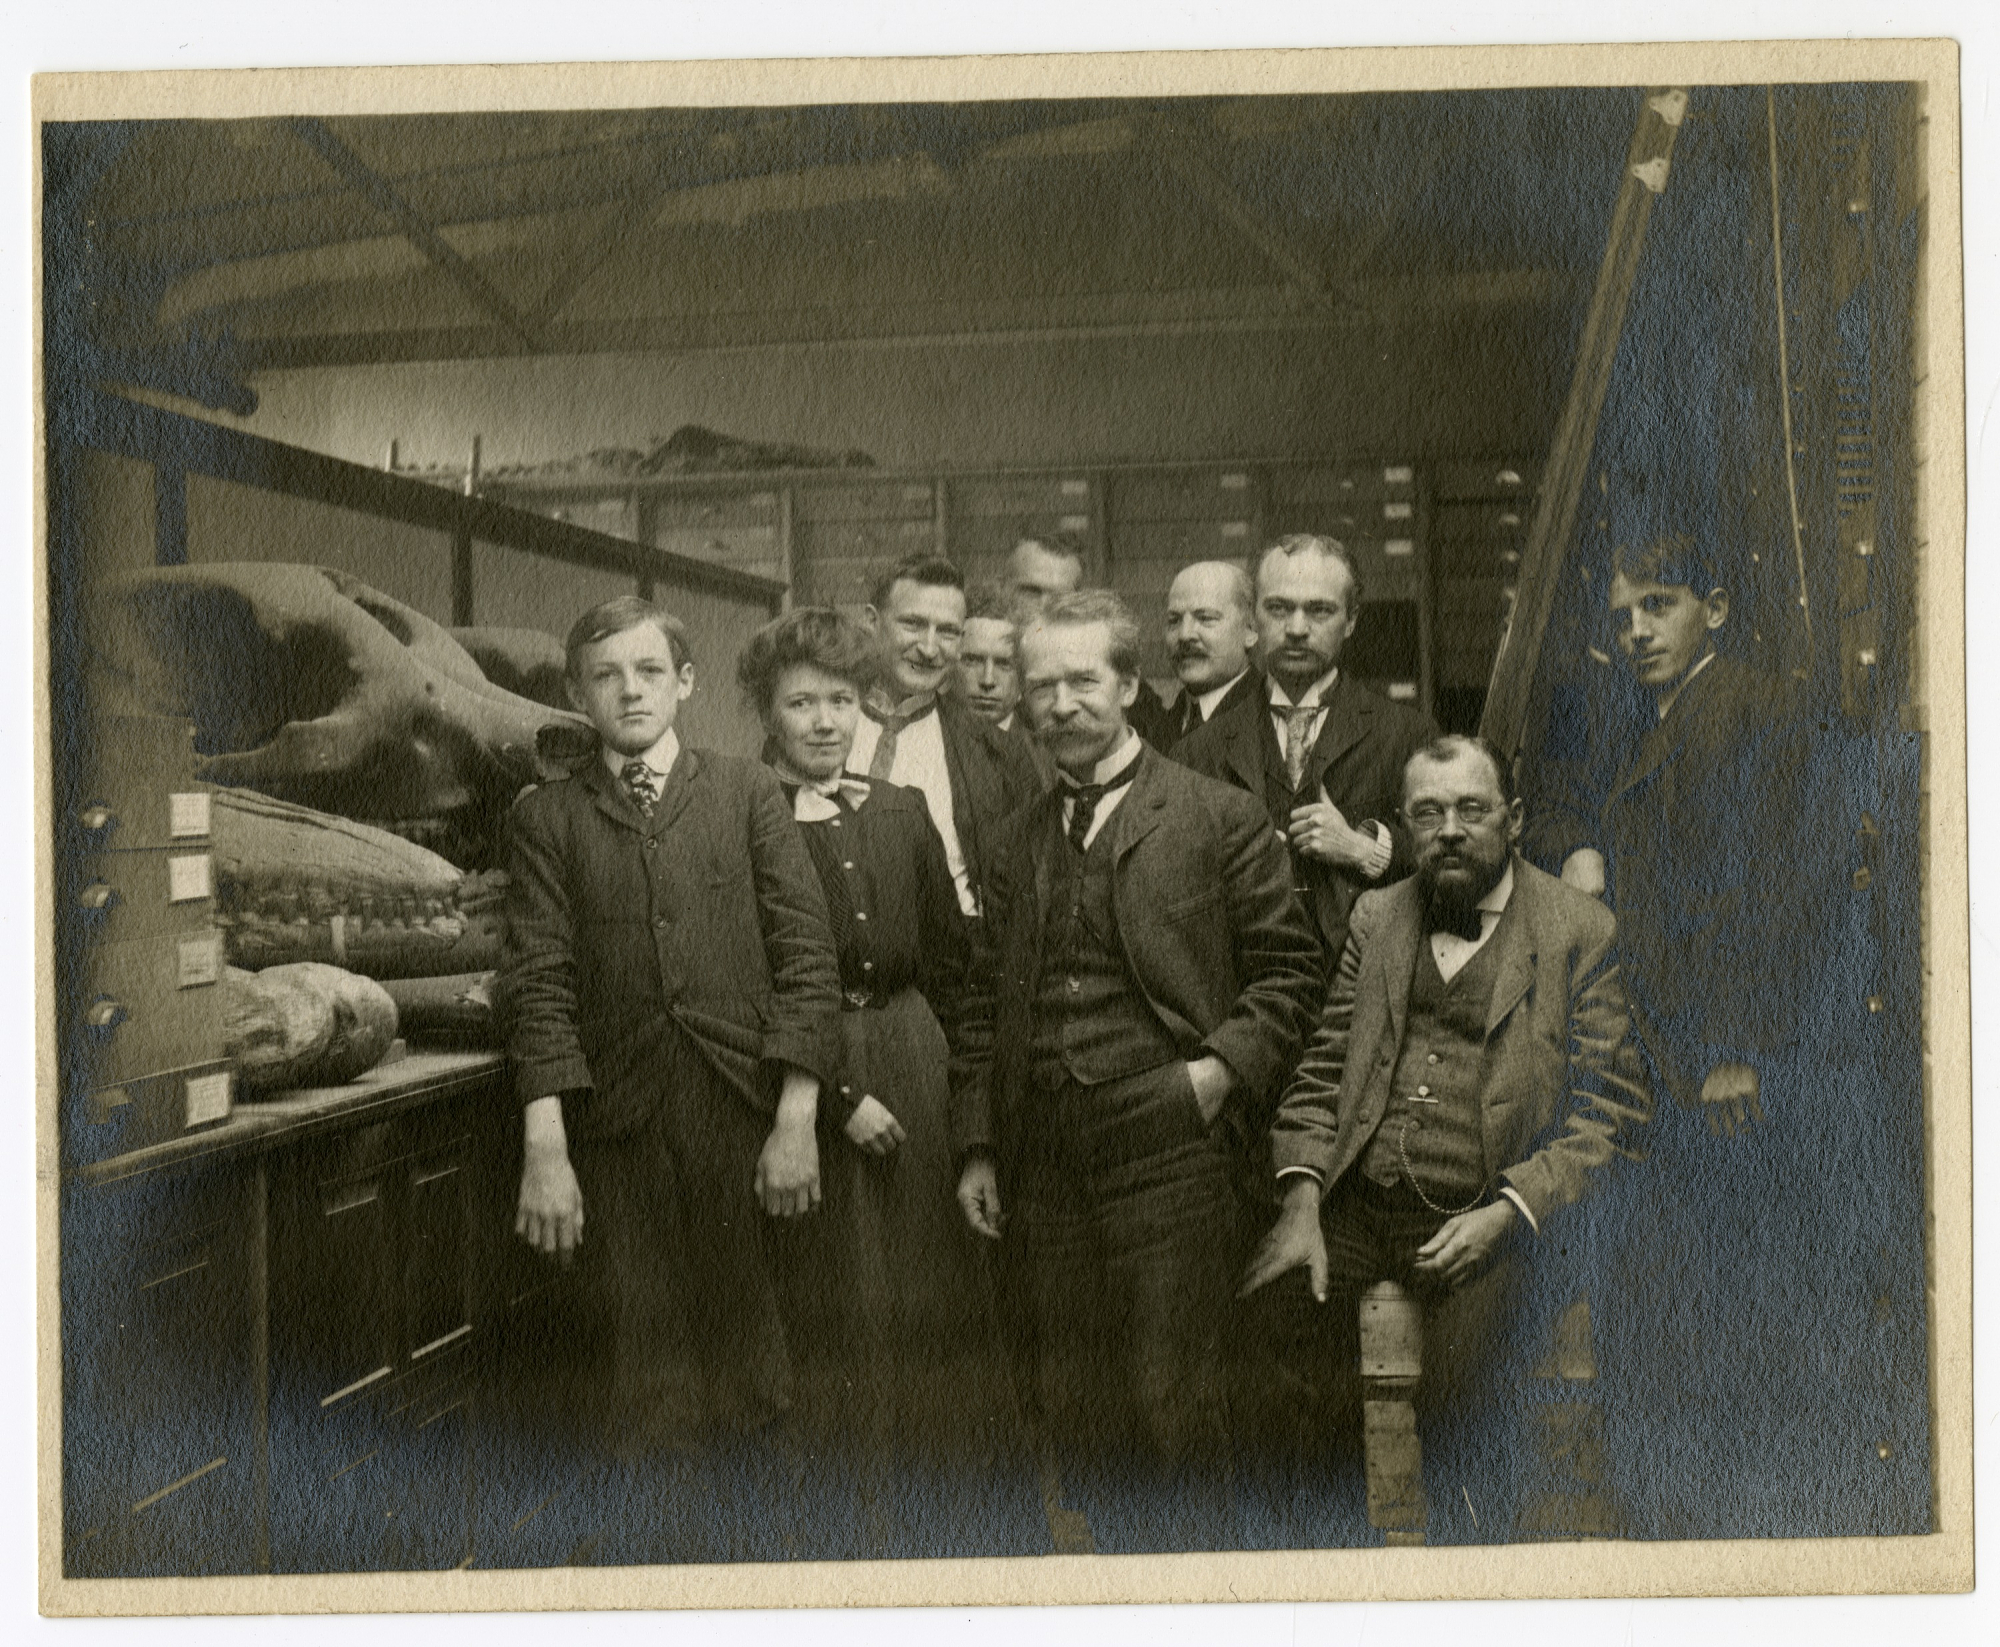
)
(1190, 649)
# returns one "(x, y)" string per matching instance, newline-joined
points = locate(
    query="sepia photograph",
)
(813, 834)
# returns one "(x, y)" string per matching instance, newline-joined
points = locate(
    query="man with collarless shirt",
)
(1144, 989)
(1211, 627)
(988, 675)
(1322, 752)
(971, 773)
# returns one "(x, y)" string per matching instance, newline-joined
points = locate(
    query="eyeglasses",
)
(1428, 815)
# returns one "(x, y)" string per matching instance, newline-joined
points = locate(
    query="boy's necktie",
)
(638, 778)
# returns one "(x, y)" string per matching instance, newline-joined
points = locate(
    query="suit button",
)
(861, 914)
(867, 966)
(1423, 1092)
(1433, 1058)
(651, 843)
(848, 865)
(659, 920)
(1075, 984)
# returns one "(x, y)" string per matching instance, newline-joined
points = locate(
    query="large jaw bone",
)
(308, 685)
(292, 884)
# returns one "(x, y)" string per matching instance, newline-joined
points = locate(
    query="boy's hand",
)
(788, 1169)
(549, 1215)
(979, 1197)
(872, 1129)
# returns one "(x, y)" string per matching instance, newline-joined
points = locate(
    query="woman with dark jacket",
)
(916, 1378)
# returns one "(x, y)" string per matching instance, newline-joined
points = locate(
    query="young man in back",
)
(672, 995)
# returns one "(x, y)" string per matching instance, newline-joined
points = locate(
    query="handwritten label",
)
(188, 878)
(187, 815)
(1076, 488)
(207, 1098)
(199, 961)
(1398, 474)
(1398, 548)
(1397, 511)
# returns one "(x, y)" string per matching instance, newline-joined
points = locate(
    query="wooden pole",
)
(1567, 470)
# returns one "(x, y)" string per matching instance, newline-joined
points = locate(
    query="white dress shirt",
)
(1206, 702)
(1670, 699)
(920, 763)
(1106, 768)
(1450, 951)
(660, 758)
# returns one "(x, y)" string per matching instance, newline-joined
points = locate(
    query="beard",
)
(1452, 886)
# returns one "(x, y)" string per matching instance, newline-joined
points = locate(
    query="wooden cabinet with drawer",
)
(372, 1349)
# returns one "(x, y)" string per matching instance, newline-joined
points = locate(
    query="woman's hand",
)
(873, 1130)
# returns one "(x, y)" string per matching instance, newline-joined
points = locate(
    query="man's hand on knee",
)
(1296, 1241)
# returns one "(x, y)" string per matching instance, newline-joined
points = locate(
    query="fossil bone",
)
(305, 1025)
(292, 884)
(526, 662)
(306, 684)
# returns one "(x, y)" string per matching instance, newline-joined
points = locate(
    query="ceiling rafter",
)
(1072, 318)
(417, 229)
(1179, 150)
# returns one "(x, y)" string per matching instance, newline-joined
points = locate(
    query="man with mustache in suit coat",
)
(1323, 753)
(1144, 990)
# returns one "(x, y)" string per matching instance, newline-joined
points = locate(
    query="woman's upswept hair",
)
(818, 635)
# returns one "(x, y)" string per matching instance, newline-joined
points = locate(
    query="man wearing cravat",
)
(1322, 752)
(971, 774)
(1143, 991)
(1474, 1071)
(1211, 626)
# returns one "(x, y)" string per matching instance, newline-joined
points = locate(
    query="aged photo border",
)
(1936, 706)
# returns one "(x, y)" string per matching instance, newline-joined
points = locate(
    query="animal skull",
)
(306, 684)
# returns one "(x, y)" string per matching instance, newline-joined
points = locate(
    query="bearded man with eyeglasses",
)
(1473, 1073)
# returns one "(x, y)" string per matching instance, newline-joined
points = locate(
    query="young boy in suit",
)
(672, 994)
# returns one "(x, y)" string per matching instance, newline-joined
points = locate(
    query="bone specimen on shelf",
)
(292, 884)
(308, 685)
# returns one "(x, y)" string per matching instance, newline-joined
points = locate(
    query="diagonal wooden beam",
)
(1179, 152)
(416, 228)
(1552, 533)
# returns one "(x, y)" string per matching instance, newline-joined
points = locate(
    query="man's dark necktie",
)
(892, 722)
(1190, 713)
(638, 778)
(1464, 923)
(1086, 797)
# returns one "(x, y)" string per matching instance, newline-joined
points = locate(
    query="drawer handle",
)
(104, 1013)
